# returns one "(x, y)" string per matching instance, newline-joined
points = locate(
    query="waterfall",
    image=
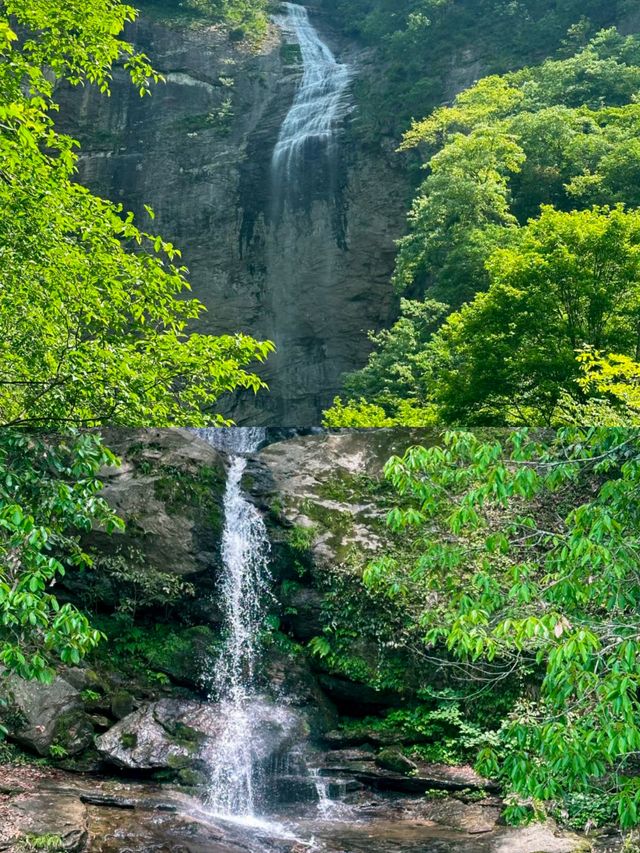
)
(319, 101)
(244, 591)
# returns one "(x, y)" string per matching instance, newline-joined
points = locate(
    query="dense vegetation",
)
(93, 323)
(425, 47)
(246, 19)
(509, 606)
(522, 251)
(49, 494)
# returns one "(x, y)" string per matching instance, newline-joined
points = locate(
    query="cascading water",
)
(320, 100)
(244, 592)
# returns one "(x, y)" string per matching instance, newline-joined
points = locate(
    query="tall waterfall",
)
(244, 589)
(320, 99)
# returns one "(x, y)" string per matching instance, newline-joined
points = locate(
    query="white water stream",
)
(321, 97)
(236, 782)
(244, 594)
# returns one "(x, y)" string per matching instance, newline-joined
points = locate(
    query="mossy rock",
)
(184, 655)
(396, 761)
(73, 732)
(122, 704)
(193, 778)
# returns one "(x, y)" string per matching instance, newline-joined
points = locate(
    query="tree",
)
(393, 378)
(49, 496)
(90, 330)
(561, 133)
(527, 559)
(570, 281)
(613, 385)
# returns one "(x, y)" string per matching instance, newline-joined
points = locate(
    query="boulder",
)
(40, 716)
(177, 734)
(122, 703)
(290, 679)
(50, 820)
(395, 760)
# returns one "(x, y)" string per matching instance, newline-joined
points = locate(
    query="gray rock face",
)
(175, 734)
(39, 716)
(161, 493)
(316, 482)
(315, 279)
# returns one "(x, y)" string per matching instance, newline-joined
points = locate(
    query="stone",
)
(122, 704)
(539, 838)
(289, 675)
(302, 611)
(156, 490)
(393, 759)
(41, 716)
(176, 734)
(316, 482)
(354, 698)
(48, 814)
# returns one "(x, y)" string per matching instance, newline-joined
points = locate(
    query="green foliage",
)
(247, 19)
(88, 696)
(50, 842)
(301, 538)
(442, 731)
(157, 651)
(139, 584)
(528, 176)
(586, 811)
(90, 330)
(49, 494)
(418, 41)
(569, 281)
(528, 559)
(56, 750)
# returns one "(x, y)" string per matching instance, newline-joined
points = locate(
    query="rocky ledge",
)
(60, 812)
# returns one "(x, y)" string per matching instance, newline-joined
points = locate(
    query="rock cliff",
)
(315, 279)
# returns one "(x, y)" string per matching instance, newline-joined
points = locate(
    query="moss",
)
(291, 54)
(129, 740)
(187, 737)
(334, 520)
(178, 762)
(192, 778)
(352, 488)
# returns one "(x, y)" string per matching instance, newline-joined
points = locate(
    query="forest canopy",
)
(523, 236)
(523, 568)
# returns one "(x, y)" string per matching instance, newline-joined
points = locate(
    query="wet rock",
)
(49, 815)
(354, 698)
(103, 816)
(290, 676)
(176, 734)
(122, 704)
(393, 759)
(39, 716)
(188, 658)
(303, 611)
